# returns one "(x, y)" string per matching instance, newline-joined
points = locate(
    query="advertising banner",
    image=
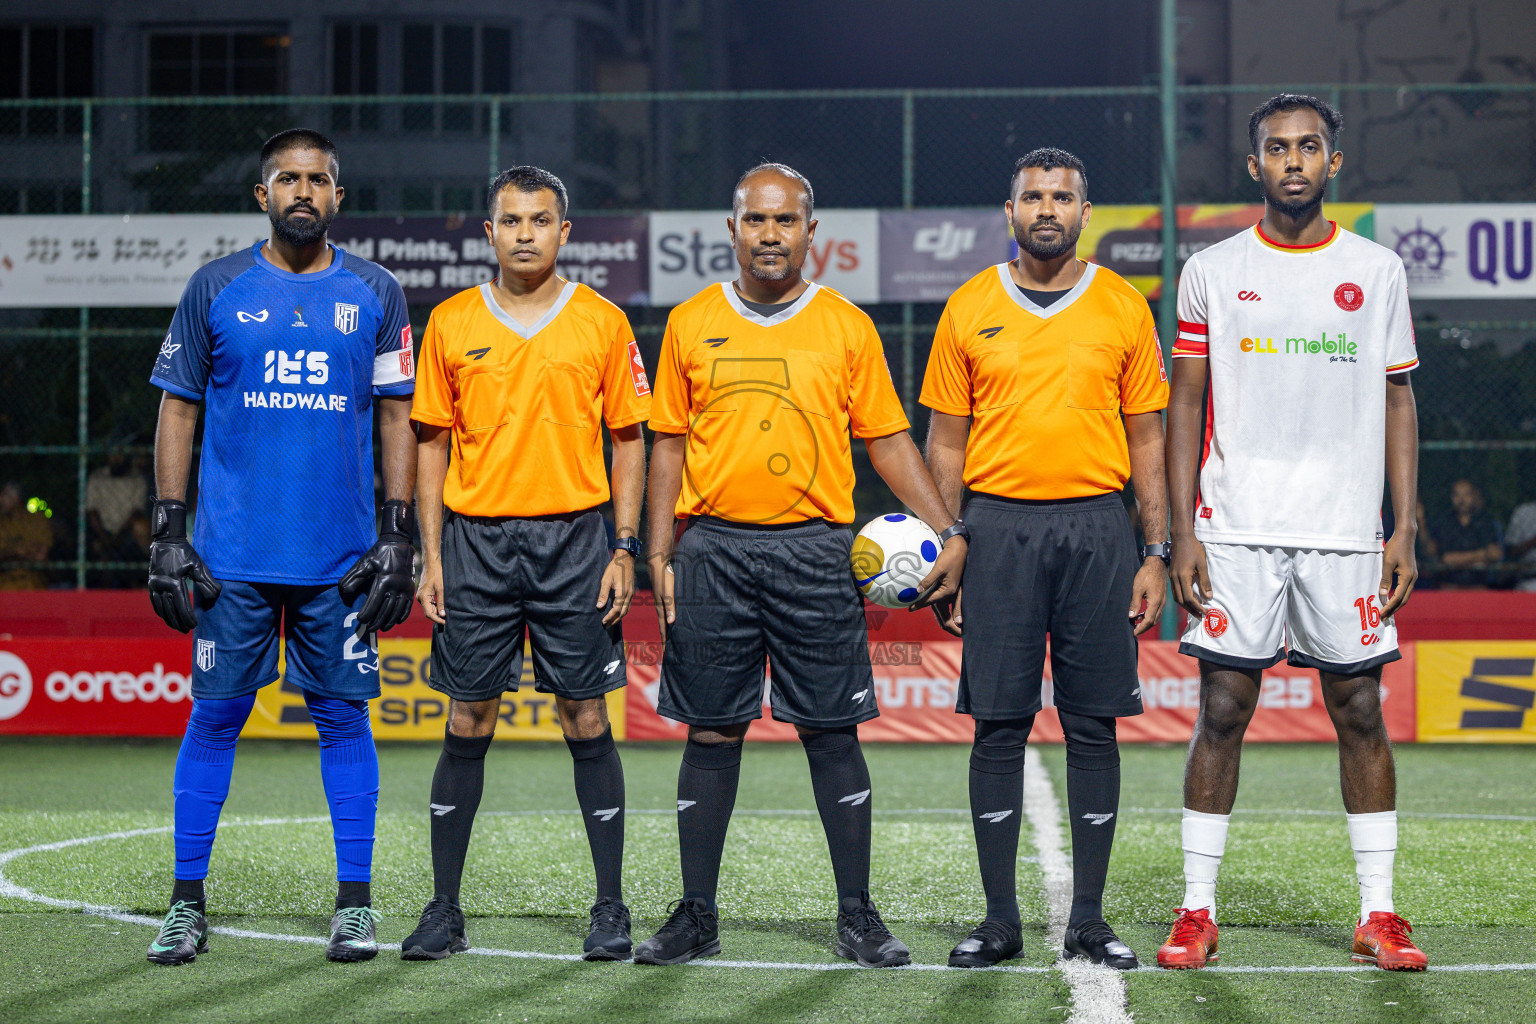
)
(916, 683)
(119, 260)
(926, 254)
(409, 709)
(1477, 692)
(1128, 239)
(434, 257)
(146, 260)
(95, 687)
(691, 249)
(1462, 250)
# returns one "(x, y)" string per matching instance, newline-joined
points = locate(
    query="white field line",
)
(1098, 993)
(11, 889)
(896, 812)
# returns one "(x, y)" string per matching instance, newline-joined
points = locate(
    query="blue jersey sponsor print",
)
(287, 366)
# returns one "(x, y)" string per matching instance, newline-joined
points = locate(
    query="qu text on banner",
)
(1481, 692)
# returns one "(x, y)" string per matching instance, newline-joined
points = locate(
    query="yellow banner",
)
(409, 709)
(1128, 239)
(1479, 692)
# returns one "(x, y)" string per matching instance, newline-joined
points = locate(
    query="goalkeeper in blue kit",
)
(289, 345)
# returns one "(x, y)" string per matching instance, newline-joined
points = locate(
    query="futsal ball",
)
(891, 556)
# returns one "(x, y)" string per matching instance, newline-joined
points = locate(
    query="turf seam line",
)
(1097, 992)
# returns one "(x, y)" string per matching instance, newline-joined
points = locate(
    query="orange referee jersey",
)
(768, 403)
(1045, 386)
(526, 403)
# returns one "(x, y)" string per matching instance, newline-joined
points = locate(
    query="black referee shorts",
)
(504, 575)
(1063, 568)
(783, 595)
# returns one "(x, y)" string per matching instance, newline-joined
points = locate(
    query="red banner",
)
(916, 683)
(78, 687)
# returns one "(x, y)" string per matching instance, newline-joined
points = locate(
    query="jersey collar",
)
(288, 275)
(768, 321)
(1046, 312)
(516, 326)
(1270, 243)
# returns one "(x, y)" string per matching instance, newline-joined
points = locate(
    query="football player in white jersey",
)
(1295, 342)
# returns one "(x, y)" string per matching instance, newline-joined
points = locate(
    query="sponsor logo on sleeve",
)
(637, 370)
(407, 366)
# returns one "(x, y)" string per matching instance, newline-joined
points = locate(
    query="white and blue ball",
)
(891, 556)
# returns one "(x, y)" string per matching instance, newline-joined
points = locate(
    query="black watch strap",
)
(956, 529)
(630, 544)
(1163, 551)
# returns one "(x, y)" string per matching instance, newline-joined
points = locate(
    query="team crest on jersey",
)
(1215, 622)
(205, 655)
(346, 317)
(1348, 297)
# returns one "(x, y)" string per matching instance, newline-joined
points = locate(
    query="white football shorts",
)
(1315, 609)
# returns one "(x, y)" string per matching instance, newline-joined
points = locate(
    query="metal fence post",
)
(908, 148)
(84, 386)
(495, 134)
(1167, 304)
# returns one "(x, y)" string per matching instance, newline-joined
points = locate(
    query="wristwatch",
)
(630, 544)
(956, 529)
(1163, 551)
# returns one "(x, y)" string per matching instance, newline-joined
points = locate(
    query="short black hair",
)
(1288, 101)
(297, 138)
(527, 178)
(788, 172)
(1048, 158)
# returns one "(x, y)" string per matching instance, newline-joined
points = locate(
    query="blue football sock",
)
(203, 768)
(349, 769)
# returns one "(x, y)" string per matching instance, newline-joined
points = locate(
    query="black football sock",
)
(456, 789)
(1093, 803)
(841, 782)
(600, 792)
(706, 796)
(997, 806)
(353, 894)
(190, 890)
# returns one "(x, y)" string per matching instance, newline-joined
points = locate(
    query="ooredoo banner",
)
(78, 687)
(692, 249)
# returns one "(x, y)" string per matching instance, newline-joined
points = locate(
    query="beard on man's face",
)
(301, 231)
(1064, 241)
(779, 271)
(1295, 207)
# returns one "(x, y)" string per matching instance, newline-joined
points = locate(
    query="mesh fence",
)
(77, 418)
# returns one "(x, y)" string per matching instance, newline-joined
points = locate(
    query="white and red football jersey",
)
(1299, 341)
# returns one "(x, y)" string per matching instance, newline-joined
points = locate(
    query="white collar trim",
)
(768, 321)
(516, 326)
(1046, 312)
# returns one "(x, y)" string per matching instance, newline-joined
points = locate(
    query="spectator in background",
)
(1520, 543)
(1467, 540)
(113, 493)
(24, 537)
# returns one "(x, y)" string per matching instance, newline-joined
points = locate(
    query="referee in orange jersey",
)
(519, 375)
(761, 386)
(1047, 384)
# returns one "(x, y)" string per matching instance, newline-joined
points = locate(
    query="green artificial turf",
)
(1286, 897)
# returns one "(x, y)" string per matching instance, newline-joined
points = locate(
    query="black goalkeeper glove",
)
(390, 564)
(173, 561)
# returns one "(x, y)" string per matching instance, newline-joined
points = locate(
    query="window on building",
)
(355, 72)
(224, 62)
(45, 62)
(437, 59)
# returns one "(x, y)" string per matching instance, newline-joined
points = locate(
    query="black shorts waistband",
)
(1087, 503)
(732, 524)
(554, 517)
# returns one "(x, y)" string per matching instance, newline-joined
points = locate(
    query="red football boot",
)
(1383, 940)
(1192, 943)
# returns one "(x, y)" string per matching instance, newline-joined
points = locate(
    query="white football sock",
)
(1205, 840)
(1374, 839)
